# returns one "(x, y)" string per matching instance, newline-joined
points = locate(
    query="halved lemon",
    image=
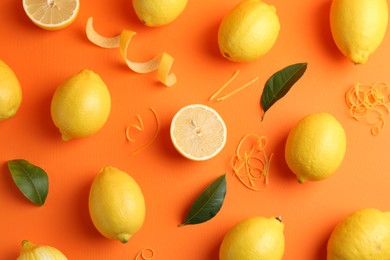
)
(198, 132)
(51, 14)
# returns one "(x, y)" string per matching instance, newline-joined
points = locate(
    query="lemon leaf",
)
(31, 180)
(280, 83)
(208, 204)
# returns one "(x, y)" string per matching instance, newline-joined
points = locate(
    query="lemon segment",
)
(51, 14)
(198, 132)
(10, 92)
(358, 27)
(364, 234)
(315, 147)
(255, 238)
(80, 105)
(116, 204)
(248, 31)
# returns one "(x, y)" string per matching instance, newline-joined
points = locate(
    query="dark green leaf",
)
(31, 180)
(280, 83)
(208, 204)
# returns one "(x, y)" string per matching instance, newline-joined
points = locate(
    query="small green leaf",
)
(208, 204)
(280, 83)
(31, 180)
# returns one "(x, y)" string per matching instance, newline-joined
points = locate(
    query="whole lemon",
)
(116, 204)
(10, 92)
(363, 235)
(255, 238)
(248, 31)
(315, 147)
(358, 27)
(158, 12)
(81, 105)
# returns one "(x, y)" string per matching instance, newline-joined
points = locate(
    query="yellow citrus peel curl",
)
(162, 62)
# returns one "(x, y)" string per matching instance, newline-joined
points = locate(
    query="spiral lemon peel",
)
(251, 164)
(162, 62)
(369, 103)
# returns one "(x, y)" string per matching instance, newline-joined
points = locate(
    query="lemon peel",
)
(145, 254)
(161, 62)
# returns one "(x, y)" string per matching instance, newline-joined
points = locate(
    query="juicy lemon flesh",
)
(198, 132)
(116, 204)
(248, 31)
(158, 12)
(51, 14)
(10, 92)
(255, 238)
(358, 27)
(81, 105)
(364, 235)
(315, 147)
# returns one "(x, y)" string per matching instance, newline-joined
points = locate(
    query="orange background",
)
(170, 183)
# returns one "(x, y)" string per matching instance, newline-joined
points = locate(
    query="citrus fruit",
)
(116, 204)
(198, 132)
(358, 27)
(10, 92)
(158, 12)
(255, 238)
(32, 251)
(51, 14)
(81, 105)
(315, 147)
(363, 235)
(248, 31)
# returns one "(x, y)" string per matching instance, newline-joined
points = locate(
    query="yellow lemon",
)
(32, 251)
(10, 92)
(363, 235)
(81, 105)
(158, 12)
(315, 147)
(198, 132)
(358, 27)
(248, 31)
(255, 238)
(51, 14)
(116, 204)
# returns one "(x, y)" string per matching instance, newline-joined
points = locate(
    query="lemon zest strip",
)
(145, 254)
(139, 127)
(99, 40)
(251, 167)
(162, 62)
(154, 136)
(366, 102)
(238, 90)
(225, 85)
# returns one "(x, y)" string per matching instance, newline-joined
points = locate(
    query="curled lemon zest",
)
(154, 136)
(224, 85)
(140, 127)
(162, 62)
(369, 103)
(145, 254)
(251, 166)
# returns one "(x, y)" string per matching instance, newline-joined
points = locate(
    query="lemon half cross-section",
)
(198, 132)
(51, 14)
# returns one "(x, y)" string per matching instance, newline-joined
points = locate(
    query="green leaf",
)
(208, 204)
(31, 180)
(280, 83)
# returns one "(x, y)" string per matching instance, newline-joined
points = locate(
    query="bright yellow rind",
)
(255, 238)
(116, 204)
(358, 27)
(51, 14)
(364, 234)
(10, 92)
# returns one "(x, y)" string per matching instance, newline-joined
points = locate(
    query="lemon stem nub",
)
(123, 237)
